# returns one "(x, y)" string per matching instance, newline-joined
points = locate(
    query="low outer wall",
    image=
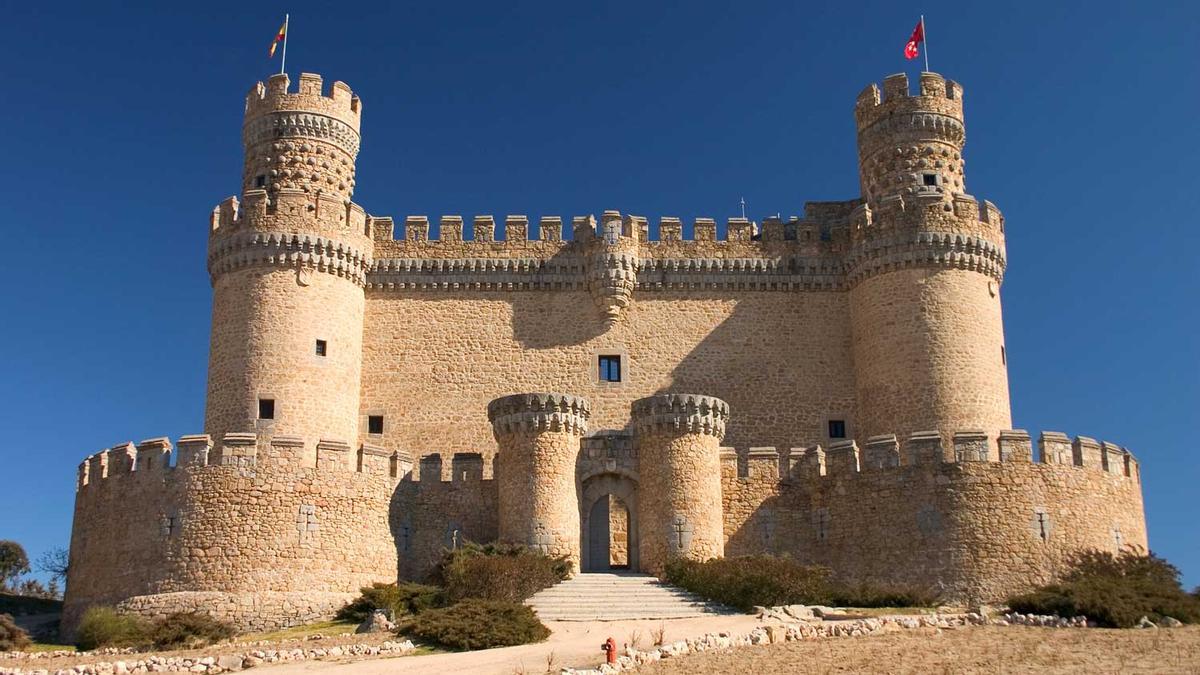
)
(250, 537)
(975, 530)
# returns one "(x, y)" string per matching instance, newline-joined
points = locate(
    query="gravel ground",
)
(991, 649)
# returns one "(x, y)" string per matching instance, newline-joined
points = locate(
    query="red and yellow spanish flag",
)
(278, 38)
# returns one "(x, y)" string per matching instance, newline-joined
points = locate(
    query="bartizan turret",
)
(288, 264)
(925, 267)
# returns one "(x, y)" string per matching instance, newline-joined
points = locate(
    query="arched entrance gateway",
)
(608, 519)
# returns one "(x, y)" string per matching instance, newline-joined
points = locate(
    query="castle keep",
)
(831, 387)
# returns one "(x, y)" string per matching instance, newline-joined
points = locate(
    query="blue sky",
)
(122, 132)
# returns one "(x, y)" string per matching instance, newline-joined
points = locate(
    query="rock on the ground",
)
(378, 622)
(1170, 622)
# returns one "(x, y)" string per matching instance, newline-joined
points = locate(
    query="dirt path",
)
(991, 649)
(572, 644)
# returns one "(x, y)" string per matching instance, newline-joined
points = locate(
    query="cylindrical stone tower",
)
(287, 265)
(925, 267)
(679, 496)
(538, 494)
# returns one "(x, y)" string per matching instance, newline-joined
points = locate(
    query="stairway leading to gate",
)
(615, 596)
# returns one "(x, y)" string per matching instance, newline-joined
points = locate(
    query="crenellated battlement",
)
(926, 448)
(539, 412)
(338, 102)
(157, 459)
(936, 95)
(680, 414)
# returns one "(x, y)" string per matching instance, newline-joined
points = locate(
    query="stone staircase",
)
(616, 596)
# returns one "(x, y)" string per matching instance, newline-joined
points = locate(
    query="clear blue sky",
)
(121, 132)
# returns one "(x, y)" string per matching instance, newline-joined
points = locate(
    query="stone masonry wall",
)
(242, 530)
(972, 529)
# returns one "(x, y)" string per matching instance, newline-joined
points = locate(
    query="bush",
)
(506, 572)
(749, 581)
(12, 637)
(187, 630)
(396, 599)
(1114, 590)
(105, 627)
(478, 624)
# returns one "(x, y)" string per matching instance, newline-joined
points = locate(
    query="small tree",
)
(54, 562)
(13, 563)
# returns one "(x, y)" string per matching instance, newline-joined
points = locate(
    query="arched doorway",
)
(608, 516)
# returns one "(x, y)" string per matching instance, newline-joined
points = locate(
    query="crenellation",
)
(239, 449)
(881, 452)
(416, 228)
(550, 228)
(670, 228)
(153, 455)
(1015, 446)
(483, 229)
(1085, 452)
(1113, 457)
(122, 459)
(374, 460)
(194, 450)
(842, 458)
(333, 455)
(971, 446)
(516, 228)
(762, 463)
(923, 447)
(1054, 447)
(466, 467)
(704, 229)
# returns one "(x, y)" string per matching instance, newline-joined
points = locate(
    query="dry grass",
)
(999, 650)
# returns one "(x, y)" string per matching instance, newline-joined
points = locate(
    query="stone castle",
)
(831, 387)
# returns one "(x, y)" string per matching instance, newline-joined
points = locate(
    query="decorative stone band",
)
(489, 274)
(680, 414)
(298, 251)
(924, 249)
(887, 131)
(568, 273)
(292, 125)
(539, 412)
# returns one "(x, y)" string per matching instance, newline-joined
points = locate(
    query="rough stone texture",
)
(679, 438)
(538, 498)
(881, 312)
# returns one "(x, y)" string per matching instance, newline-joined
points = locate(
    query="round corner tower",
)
(925, 266)
(538, 493)
(679, 503)
(287, 263)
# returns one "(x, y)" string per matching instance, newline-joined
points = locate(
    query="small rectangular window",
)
(375, 424)
(260, 180)
(266, 408)
(931, 179)
(837, 428)
(322, 346)
(1003, 356)
(610, 368)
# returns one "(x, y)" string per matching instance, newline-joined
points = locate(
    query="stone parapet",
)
(539, 412)
(677, 414)
(291, 250)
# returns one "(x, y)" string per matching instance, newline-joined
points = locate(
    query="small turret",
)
(910, 145)
(304, 139)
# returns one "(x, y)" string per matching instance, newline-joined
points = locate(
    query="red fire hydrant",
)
(610, 650)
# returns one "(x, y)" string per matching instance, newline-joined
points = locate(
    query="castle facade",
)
(832, 387)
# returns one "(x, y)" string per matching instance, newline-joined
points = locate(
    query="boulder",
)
(378, 622)
(1170, 622)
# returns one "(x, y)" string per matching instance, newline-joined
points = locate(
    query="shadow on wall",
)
(562, 318)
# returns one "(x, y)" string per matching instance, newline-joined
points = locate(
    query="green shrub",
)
(498, 572)
(749, 581)
(398, 599)
(187, 630)
(12, 637)
(478, 624)
(105, 627)
(1114, 590)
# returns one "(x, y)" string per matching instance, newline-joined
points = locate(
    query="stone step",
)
(614, 597)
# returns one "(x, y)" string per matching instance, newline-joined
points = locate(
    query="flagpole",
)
(924, 37)
(283, 61)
